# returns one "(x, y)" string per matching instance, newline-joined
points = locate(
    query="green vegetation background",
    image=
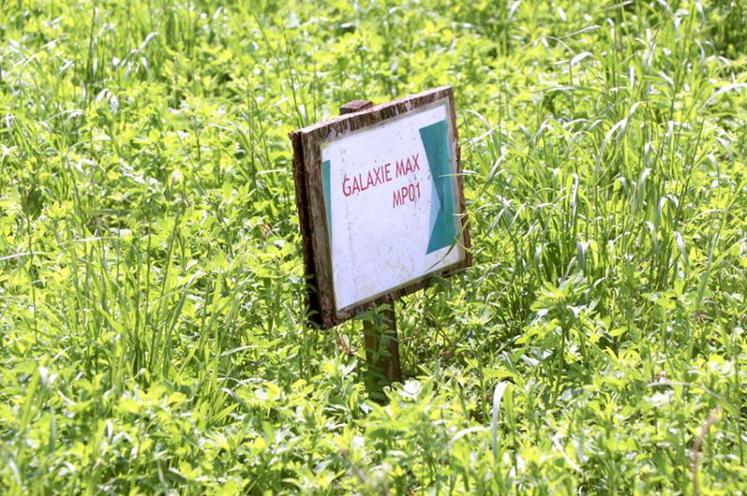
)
(151, 336)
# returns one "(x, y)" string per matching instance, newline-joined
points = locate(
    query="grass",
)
(151, 281)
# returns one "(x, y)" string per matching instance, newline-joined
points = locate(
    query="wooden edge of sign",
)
(318, 235)
(302, 205)
(350, 122)
(307, 177)
(464, 216)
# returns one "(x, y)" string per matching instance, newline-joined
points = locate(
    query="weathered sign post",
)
(381, 207)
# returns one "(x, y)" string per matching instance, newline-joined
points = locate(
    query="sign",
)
(380, 202)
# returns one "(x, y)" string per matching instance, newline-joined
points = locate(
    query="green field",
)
(152, 336)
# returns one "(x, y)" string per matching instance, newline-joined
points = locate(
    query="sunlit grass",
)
(151, 280)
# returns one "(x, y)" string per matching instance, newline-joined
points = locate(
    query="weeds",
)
(151, 285)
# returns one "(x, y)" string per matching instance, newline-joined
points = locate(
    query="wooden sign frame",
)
(307, 165)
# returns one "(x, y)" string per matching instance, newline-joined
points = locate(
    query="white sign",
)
(390, 204)
(391, 199)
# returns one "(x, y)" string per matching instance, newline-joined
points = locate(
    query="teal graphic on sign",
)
(327, 196)
(436, 143)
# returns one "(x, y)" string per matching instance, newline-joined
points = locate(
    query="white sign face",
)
(392, 203)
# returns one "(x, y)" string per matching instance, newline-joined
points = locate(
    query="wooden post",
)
(382, 344)
(379, 329)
